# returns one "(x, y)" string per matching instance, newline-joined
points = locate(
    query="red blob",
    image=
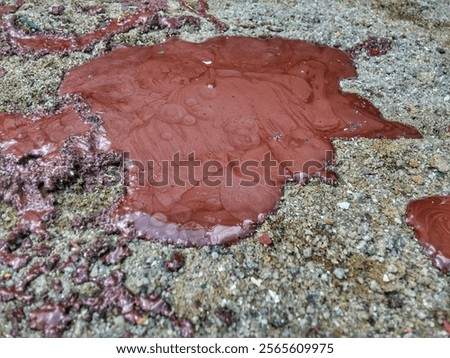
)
(209, 132)
(19, 135)
(430, 218)
(51, 318)
(212, 131)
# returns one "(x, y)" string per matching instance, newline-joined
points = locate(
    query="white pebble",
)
(344, 205)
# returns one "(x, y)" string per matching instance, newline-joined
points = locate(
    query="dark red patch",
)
(226, 316)
(57, 10)
(153, 304)
(184, 326)
(430, 218)
(51, 319)
(81, 274)
(116, 255)
(373, 46)
(176, 262)
(265, 239)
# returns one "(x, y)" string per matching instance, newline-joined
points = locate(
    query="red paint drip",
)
(430, 218)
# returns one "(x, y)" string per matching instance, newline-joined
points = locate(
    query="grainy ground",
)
(343, 262)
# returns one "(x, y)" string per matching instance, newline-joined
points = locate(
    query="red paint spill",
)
(231, 100)
(430, 218)
(22, 136)
(233, 121)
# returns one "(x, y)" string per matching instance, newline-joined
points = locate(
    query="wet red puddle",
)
(430, 218)
(209, 132)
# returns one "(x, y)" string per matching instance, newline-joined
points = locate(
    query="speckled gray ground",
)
(343, 262)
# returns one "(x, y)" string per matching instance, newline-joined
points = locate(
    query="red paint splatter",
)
(153, 304)
(116, 255)
(57, 10)
(265, 239)
(51, 318)
(152, 15)
(16, 261)
(202, 10)
(373, 46)
(81, 274)
(430, 218)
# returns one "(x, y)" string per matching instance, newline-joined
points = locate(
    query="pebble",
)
(418, 179)
(344, 205)
(339, 273)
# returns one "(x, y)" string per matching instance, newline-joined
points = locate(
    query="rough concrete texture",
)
(343, 263)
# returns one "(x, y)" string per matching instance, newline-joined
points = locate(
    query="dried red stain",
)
(184, 326)
(373, 46)
(153, 304)
(51, 318)
(226, 316)
(430, 218)
(116, 255)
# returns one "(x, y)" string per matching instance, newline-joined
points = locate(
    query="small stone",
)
(440, 163)
(256, 281)
(411, 108)
(328, 221)
(386, 278)
(418, 179)
(414, 163)
(339, 273)
(307, 252)
(275, 296)
(344, 205)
